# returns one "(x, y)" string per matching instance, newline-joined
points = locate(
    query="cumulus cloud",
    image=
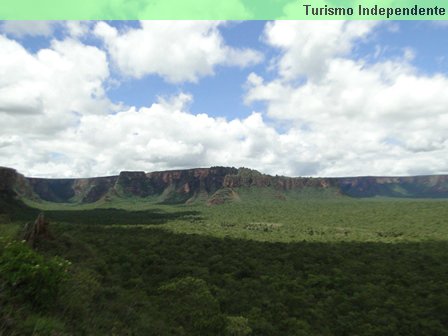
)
(325, 112)
(308, 46)
(58, 121)
(47, 90)
(163, 136)
(177, 51)
(382, 118)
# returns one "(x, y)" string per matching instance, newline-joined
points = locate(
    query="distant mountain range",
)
(213, 185)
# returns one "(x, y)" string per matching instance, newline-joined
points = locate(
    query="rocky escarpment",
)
(84, 190)
(434, 186)
(7, 179)
(213, 185)
(13, 183)
(184, 186)
(245, 177)
(176, 186)
(12, 186)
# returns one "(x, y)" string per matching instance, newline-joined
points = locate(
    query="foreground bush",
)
(27, 276)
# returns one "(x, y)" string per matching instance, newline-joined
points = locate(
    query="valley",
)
(225, 252)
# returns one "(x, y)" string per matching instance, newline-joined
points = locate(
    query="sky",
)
(295, 98)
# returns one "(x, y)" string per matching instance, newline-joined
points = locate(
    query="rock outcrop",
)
(36, 231)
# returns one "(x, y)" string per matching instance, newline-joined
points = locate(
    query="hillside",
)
(213, 185)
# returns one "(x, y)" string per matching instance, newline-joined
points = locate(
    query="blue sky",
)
(221, 94)
(297, 98)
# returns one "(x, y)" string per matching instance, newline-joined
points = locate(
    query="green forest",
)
(313, 264)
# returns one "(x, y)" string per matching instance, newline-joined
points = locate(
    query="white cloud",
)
(162, 136)
(56, 120)
(78, 29)
(178, 51)
(30, 28)
(166, 135)
(308, 45)
(356, 118)
(47, 91)
(340, 115)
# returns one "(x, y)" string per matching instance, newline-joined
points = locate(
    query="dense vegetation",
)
(308, 265)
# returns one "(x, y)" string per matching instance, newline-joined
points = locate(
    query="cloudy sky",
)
(295, 98)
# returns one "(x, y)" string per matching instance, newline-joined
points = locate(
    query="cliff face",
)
(251, 178)
(72, 190)
(7, 179)
(94, 189)
(435, 186)
(214, 185)
(134, 184)
(11, 182)
(12, 185)
(179, 186)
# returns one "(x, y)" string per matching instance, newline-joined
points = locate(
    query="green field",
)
(313, 263)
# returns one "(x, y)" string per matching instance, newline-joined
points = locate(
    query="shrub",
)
(28, 277)
(237, 326)
(77, 292)
(189, 302)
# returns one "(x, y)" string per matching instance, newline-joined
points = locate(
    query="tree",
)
(189, 303)
(237, 326)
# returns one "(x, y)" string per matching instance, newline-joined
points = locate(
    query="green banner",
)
(223, 9)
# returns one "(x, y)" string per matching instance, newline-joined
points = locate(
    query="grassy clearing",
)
(309, 216)
(324, 221)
